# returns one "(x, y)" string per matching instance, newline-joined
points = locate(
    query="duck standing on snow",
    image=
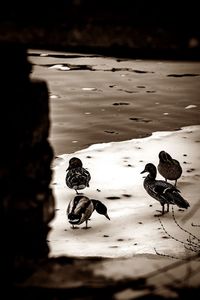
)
(81, 208)
(77, 177)
(168, 167)
(164, 192)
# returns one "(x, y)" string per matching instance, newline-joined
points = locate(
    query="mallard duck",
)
(81, 208)
(164, 192)
(168, 167)
(77, 177)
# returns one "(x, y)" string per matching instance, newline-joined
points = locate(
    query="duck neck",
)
(151, 176)
(95, 203)
(98, 206)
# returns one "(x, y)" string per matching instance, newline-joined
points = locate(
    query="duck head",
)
(74, 219)
(165, 157)
(74, 162)
(151, 169)
(100, 208)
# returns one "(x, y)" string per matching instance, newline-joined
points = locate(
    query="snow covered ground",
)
(116, 181)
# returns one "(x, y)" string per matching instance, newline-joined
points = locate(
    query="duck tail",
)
(180, 201)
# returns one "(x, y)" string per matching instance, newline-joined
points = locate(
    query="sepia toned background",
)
(114, 70)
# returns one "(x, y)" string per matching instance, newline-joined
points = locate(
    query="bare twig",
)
(182, 227)
(169, 256)
(172, 237)
(191, 244)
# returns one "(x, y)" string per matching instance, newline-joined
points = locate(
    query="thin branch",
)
(189, 244)
(191, 249)
(193, 244)
(190, 240)
(172, 237)
(182, 227)
(169, 256)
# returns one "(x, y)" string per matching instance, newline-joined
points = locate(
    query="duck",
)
(165, 192)
(80, 208)
(169, 167)
(77, 177)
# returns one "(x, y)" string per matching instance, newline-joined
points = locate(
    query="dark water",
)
(102, 99)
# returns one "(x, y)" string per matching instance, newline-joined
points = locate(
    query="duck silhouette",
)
(80, 208)
(169, 167)
(164, 192)
(77, 177)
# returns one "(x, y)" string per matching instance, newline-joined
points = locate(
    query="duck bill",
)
(143, 171)
(74, 222)
(107, 216)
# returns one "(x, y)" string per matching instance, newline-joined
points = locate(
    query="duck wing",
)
(87, 176)
(79, 210)
(168, 193)
(162, 190)
(176, 163)
(78, 177)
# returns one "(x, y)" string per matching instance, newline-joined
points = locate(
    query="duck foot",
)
(75, 227)
(158, 215)
(161, 213)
